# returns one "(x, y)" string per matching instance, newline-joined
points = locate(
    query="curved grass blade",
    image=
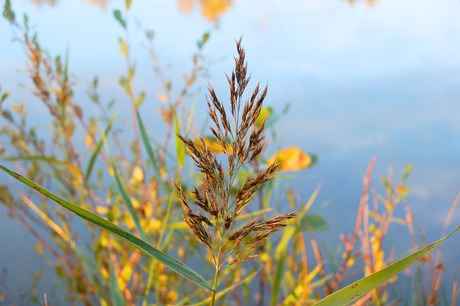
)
(34, 157)
(167, 260)
(361, 287)
(129, 205)
(89, 169)
(148, 148)
(115, 292)
(278, 276)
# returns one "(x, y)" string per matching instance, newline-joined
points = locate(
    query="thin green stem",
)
(216, 276)
(149, 282)
(218, 267)
(165, 222)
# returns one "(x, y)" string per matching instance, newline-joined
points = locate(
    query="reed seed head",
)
(242, 142)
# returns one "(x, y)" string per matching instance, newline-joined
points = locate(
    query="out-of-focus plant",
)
(210, 9)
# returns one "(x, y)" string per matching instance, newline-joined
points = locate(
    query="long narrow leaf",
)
(89, 169)
(115, 293)
(167, 260)
(363, 286)
(34, 157)
(180, 146)
(278, 277)
(129, 205)
(148, 148)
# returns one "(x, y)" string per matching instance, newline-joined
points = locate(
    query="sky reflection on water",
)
(362, 81)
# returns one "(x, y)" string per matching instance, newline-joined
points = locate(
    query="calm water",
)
(362, 81)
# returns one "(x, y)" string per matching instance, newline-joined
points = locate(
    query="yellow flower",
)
(292, 159)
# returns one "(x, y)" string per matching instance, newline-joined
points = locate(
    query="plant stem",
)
(216, 276)
(214, 287)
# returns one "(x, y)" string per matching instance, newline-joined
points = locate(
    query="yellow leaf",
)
(102, 210)
(172, 297)
(155, 225)
(39, 249)
(110, 171)
(292, 159)
(135, 203)
(162, 97)
(212, 144)
(265, 112)
(89, 141)
(123, 47)
(138, 174)
(402, 190)
(213, 9)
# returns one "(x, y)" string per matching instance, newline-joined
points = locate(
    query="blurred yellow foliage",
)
(210, 9)
(155, 225)
(213, 145)
(138, 174)
(265, 112)
(292, 159)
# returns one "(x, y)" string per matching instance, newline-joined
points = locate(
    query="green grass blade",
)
(92, 160)
(148, 148)
(129, 205)
(190, 117)
(278, 277)
(167, 260)
(180, 146)
(115, 293)
(34, 158)
(359, 288)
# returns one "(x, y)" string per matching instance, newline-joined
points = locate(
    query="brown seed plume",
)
(242, 142)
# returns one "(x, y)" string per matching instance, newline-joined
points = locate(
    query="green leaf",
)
(313, 222)
(278, 277)
(115, 293)
(129, 205)
(142, 245)
(190, 116)
(89, 169)
(8, 12)
(180, 146)
(3, 98)
(407, 172)
(361, 287)
(148, 148)
(117, 15)
(34, 158)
